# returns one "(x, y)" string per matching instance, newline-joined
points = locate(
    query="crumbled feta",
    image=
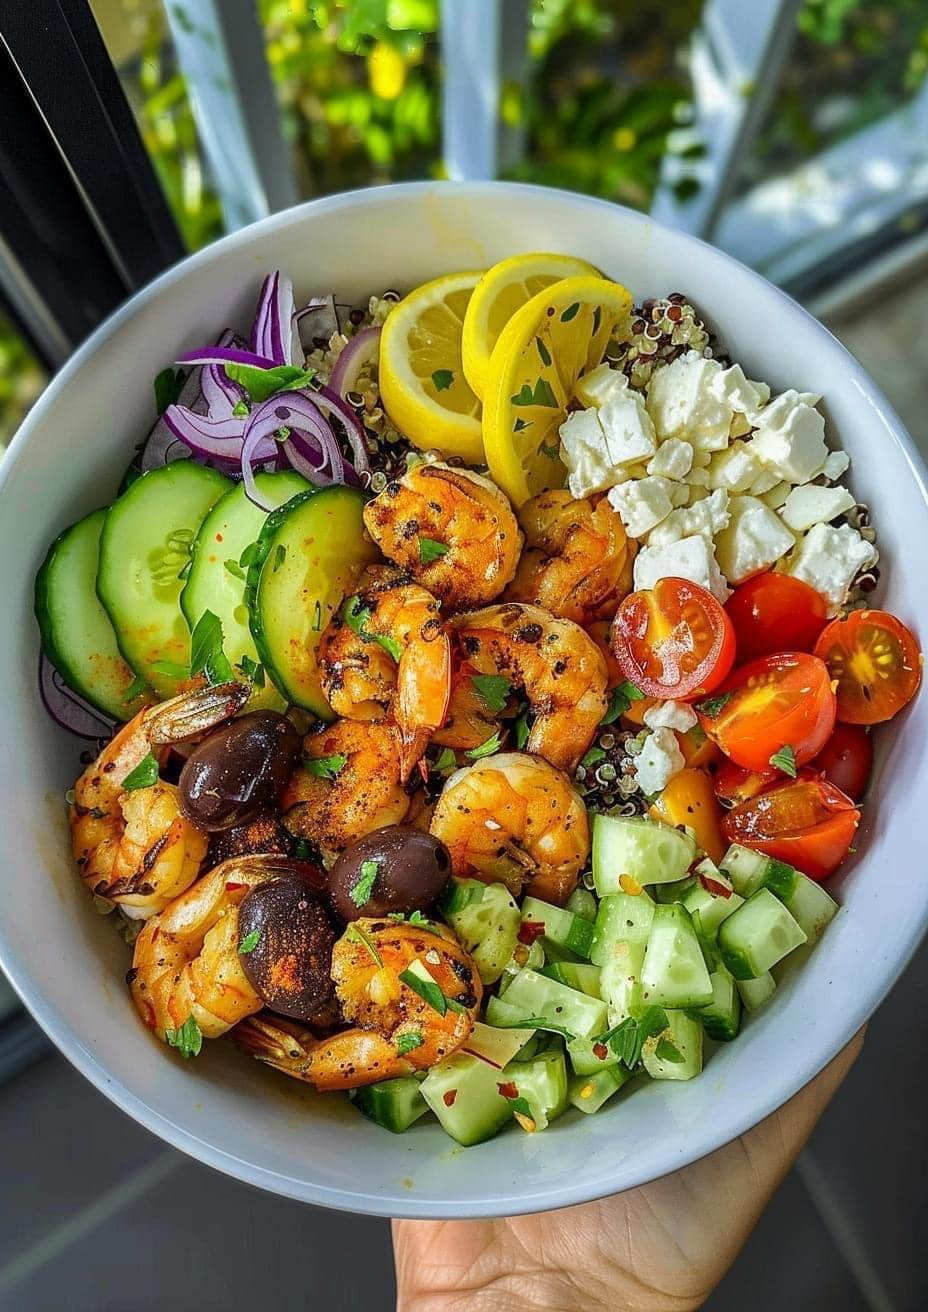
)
(641, 504)
(627, 425)
(790, 438)
(707, 517)
(744, 396)
(682, 403)
(681, 494)
(808, 505)
(594, 387)
(777, 495)
(763, 483)
(828, 559)
(658, 761)
(836, 464)
(583, 451)
(690, 558)
(734, 469)
(673, 459)
(671, 715)
(754, 540)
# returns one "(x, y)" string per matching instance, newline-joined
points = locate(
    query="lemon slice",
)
(540, 354)
(500, 292)
(422, 379)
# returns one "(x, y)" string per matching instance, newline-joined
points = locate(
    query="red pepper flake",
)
(233, 887)
(713, 886)
(218, 537)
(449, 1097)
(601, 1051)
(509, 1090)
(423, 765)
(530, 930)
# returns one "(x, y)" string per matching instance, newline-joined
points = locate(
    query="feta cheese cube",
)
(836, 464)
(682, 404)
(658, 761)
(594, 387)
(698, 478)
(790, 438)
(681, 494)
(734, 469)
(690, 558)
(671, 715)
(763, 483)
(706, 517)
(583, 451)
(754, 540)
(673, 459)
(744, 396)
(808, 505)
(777, 495)
(641, 504)
(627, 425)
(828, 559)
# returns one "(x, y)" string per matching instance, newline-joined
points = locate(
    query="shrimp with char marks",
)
(134, 846)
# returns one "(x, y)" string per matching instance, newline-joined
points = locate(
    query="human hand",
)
(660, 1248)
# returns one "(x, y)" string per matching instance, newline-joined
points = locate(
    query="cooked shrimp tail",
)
(346, 1060)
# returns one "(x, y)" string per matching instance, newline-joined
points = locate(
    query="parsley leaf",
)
(446, 760)
(427, 990)
(263, 383)
(540, 395)
(248, 555)
(356, 615)
(167, 388)
(571, 312)
(520, 730)
(253, 671)
(360, 891)
(667, 1051)
(593, 757)
(143, 776)
(518, 1105)
(389, 644)
(249, 942)
(280, 555)
(711, 706)
(135, 689)
(356, 934)
(492, 689)
(170, 669)
(486, 748)
(785, 760)
(188, 1040)
(627, 1039)
(206, 652)
(620, 699)
(543, 351)
(408, 1041)
(430, 550)
(442, 379)
(234, 568)
(534, 1023)
(325, 767)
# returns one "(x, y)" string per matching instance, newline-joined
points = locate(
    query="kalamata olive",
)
(285, 939)
(391, 869)
(239, 770)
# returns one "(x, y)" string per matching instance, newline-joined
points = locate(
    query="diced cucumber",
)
(588, 1092)
(394, 1104)
(620, 981)
(707, 908)
(674, 892)
(488, 928)
(758, 935)
(216, 581)
(674, 973)
(542, 1082)
(576, 975)
(77, 636)
(811, 907)
(554, 952)
(646, 850)
(501, 1013)
(535, 995)
(144, 548)
(582, 903)
(621, 918)
(463, 1092)
(495, 1045)
(460, 893)
(755, 993)
(309, 556)
(676, 1053)
(588, 1056)
(749, 871)
(562, 927)
(721, 1018)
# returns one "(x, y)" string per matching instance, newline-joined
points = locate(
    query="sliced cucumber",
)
(645, 850)
(542, 1082)
(309, 556)
(674, 892)
(498, 1046)
(758, 935)
(576, 975)
(561, 927)
(394, 1104)
(621, 918)
(721, 1018)
(216, 581)
(756, 993)
(463, 1092)
(811, 907)
(531, 994)
(77, 636)
(144, 547)
(620, 981)
(588, 1056)
(707, 908)
(588, 1092)
(676, 1053)
(500, 1013)
(674, 973)
(460, 893)
(488, 928)
(749, 871)
(582, 903)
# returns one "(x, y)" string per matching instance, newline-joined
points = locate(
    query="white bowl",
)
(68, 964)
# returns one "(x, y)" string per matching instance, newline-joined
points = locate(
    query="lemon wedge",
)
(540, 354)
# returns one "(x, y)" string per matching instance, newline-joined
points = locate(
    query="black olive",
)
(239, 770)
(285, 940)
(391, 869)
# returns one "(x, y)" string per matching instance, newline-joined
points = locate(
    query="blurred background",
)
(791, 133)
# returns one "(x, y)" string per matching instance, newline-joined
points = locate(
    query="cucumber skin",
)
(394, 1104)
(568, 930)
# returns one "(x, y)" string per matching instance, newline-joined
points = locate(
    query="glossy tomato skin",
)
(877, 664)
(847, 759)
(775, 612)
(734, 784)
(779, 700)
(805, 821)
(673, 640)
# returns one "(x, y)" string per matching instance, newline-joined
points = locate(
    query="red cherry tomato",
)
(805, 821)
(775, 702)
(876, 662)
(775, 612)
(734, 784)
(673, 640)
(846, 759)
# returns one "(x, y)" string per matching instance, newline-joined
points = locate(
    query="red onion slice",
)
(215, 439)
(226, 355)
(361, 349)
(330, 402)
(67, 708)
(272, 333)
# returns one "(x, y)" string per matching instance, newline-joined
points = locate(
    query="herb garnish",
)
(325, 767)
(446, 760)
(188, 1040)
(249, 942)
(571, 312)
(427, 990)
(408, 1041)
(785, 760)
(711, 706)
(135, 689)
(541, 395)
(170, 669)
(360, 891)
(248, 555)
(493, 689)
(234, 568)
(280, 555)
(667, 1051)
(543, 351)
(442, 379)
(143, 776)
(486, 748)
(593, 757)
(356, 934)
(627, 1038)
(206, 652)
(167, 388)
(620, 699)
(520, 730)
(356, 615)
(430, 550)
(263, 383)
(253, 671)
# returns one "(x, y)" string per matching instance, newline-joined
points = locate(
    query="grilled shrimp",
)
(577, 561)
(396, 1030)
(135, 847)
(186, 963)
(387, 652)
(513, 818)
(353, 788)
(559, 666)
(452, 529)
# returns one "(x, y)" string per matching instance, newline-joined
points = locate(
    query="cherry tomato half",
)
(805, 821)
(876, 662)
(734, 784)
(846, 760)
(775, 702)
(673, 640)
(775, 612)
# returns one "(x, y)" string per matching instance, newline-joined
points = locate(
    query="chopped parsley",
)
(520, 730)
(620, 699)
(627, 1039)
(280, 555)
(143, 776)
(248, 555)
(167, 388)
(170, 669)
(325, 767)
(356, 934)
(409, 1041)
(188, 1040)
(492, 689)
(263, 383)
(135, 689)
(446, 760)
(711, 706)
(667, 1051)
(234, 568)
(249, 942)
(427, 990)
(543, 351)
(486, 748)
(540, 395)
(206, 652)
(356, 615)
(253, 671)
(442, 379)
(361, 890)
(785, 760)
(571, 312)
(593, 757)
(430, 550)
